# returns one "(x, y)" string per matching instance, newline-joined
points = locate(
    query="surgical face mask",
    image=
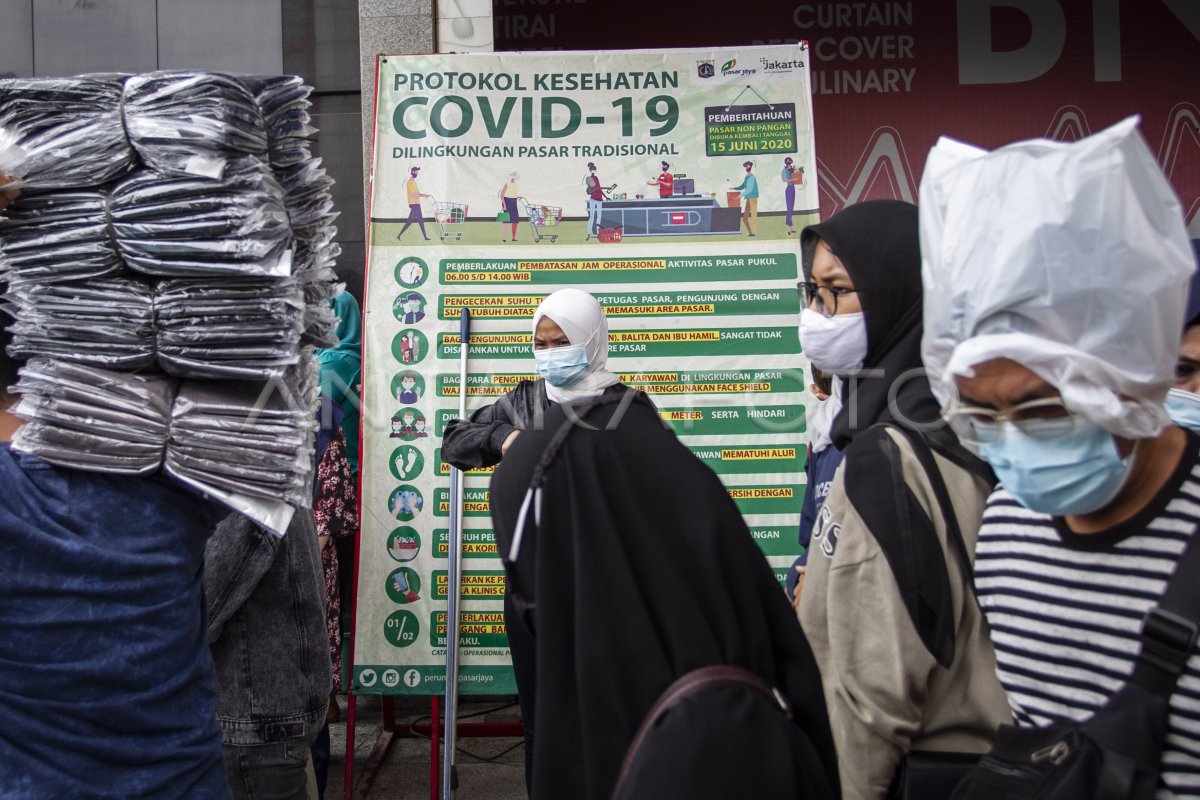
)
(1183, 408)
(1073, 473)
(837, 344)
(407, 385)
(420, 425)
(562, 366)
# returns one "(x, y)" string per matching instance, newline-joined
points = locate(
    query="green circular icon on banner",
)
(405, 502)
(401, 628)
(409, 346)
(411, 272)
(408, 424)
(408, 387)
(407, 462)
(403, 544)
(409, 307)
(404, 586)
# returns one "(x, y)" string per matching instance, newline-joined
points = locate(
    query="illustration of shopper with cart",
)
(792, 177)
(414, 204)
(749, 189)
(596, 195)
(541, 217)
(665, 182)
(510, 193)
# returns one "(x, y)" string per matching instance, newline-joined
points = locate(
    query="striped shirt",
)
(1066, 611)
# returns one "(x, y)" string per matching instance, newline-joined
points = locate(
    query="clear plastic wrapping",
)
(283, 100)
(178, 222)
(255, 439)
(250, 443)
(239, 329)
(185, 122)
(306, 194)
(93, 419)
(57, 236)
(63, 132)
(105, 323)
(177, 227)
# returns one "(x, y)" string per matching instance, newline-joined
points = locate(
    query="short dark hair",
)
(8, 364)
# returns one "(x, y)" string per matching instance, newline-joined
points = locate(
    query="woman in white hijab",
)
(570, 352)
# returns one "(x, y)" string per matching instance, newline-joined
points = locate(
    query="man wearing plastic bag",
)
(1055, 281)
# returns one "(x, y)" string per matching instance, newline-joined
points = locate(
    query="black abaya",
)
(639, 570)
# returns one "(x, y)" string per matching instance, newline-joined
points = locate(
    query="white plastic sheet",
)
(1069, 258)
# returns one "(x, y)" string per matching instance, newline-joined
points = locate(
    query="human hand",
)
(799, 586)
(508, 440)
(8, 195)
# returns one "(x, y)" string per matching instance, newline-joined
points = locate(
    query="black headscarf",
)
(877, 241)
(640, 570)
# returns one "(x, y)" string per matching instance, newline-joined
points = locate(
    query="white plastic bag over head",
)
(1069, 258)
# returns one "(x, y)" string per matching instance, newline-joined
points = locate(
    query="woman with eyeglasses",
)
(1183, 399)
(906, 663)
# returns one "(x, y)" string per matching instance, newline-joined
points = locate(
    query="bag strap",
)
(924, 454)
(1170, 629)
(692, 682)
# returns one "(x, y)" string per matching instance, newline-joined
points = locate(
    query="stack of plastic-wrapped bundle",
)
(168, 265)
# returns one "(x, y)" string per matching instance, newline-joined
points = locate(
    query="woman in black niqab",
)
(877, 243)
(634, 567)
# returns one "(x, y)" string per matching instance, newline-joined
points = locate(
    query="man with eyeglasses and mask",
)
(1055, 280)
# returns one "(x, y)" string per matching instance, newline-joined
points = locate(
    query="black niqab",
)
(640, 570)
(877, 241)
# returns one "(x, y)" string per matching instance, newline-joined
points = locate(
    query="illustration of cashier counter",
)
(675, 209)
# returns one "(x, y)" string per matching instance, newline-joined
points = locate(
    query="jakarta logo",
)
(705, 69)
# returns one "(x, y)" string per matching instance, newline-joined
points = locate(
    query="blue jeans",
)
(277, 771)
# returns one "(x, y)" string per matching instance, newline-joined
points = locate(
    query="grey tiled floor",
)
(405, 773)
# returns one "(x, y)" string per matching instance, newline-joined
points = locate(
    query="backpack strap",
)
(924, 454)
(691, 683)
(1170, 629)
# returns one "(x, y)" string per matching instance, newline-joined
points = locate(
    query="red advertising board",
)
(891, 77)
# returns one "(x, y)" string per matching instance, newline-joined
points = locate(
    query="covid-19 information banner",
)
(672, 185)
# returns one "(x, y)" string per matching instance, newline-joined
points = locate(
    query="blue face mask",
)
(1074, 473)
(561, 366)
(1183, 408)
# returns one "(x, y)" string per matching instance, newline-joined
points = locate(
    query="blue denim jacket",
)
(266, 627)
(106, 683)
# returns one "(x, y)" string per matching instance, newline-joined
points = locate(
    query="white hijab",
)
(583, 321)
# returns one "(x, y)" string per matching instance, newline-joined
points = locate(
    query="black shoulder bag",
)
(1116, 754)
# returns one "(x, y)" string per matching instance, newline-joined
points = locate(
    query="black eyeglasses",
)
(825, 298)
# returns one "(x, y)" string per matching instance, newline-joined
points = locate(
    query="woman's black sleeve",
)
(468, 444)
